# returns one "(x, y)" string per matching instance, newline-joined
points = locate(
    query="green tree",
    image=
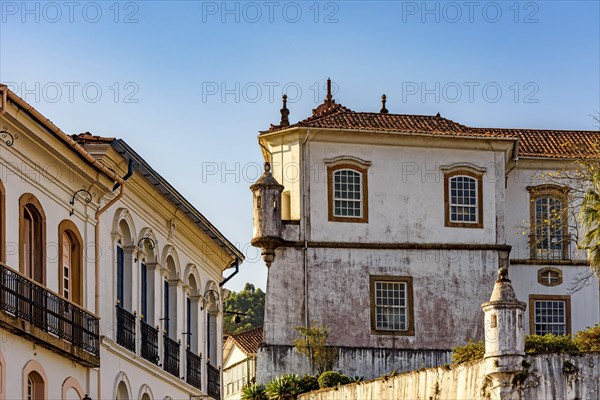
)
(250, 301)
(589, 215)
(313, 344)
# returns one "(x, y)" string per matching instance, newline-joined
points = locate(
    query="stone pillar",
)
(504, 337)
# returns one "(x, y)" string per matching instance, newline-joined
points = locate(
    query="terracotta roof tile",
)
(249, 341)
(533, 142)
(87, 137)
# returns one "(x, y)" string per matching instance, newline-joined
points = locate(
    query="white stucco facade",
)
(116, 297)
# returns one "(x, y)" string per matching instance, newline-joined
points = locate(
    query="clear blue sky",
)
(189, 84)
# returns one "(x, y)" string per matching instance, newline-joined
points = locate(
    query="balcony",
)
(32, 311)
(193, 370)
(550, 247)
(149, 342)
(125, 328)
(214, 381)
(171, 358)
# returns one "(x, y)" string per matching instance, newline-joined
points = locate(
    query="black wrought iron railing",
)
(171, 356)
(149, 342)
(194, 368)
(125, 328)
(550, 247)
(214, 381)
(27, 300)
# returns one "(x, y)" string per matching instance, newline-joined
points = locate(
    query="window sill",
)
(393, 333)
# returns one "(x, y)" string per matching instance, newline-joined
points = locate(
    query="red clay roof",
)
(533, 142)
(249, 341)
(87, 137)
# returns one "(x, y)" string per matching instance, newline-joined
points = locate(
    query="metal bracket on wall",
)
(8, 137)
(86, 199)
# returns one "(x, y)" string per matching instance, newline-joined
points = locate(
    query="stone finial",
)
(285, 113)
(268, 167)
(383, 100)
(438, 115)
(503, 275)
(328, 103)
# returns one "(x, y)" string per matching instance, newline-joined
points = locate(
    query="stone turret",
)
(504, 337)
(267, 226)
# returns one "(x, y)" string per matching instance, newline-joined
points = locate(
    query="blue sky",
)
(189, 84)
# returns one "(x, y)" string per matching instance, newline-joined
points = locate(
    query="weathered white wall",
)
(339, 294)
(363, 362)
(545, 380)
(585, 310)
(405, 194)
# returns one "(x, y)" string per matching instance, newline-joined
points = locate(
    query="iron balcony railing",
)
(149, 342)
(550, 247)
(214, 381)
(171, 356)
(27, 300)
(125, 328)
(194, 368)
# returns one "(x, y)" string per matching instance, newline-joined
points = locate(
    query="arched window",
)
(122, 392)
(549, 239)
(71, 389)
(70, 269)
(463, 196)
(211, 305)
(347, 189)
(170, 298)
(34, 381)
(32, 232)
(35, 386)
(124, 247)
(192, 315)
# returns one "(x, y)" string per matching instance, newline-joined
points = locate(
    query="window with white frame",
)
(463, 196)
(347, 194)
(463, 199)
(550, 314)
(548, 224)
(391, 305)
(347, 190)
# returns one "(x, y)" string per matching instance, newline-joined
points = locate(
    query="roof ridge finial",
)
(383, 100)
(329, 96)
(284, 113)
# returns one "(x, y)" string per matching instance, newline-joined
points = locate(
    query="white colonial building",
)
(389, 230)
(110, 281)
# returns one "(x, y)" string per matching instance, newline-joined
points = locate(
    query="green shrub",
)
(308, 383)
(588, 340)
(285, 387)
(549, 343)
(470, 352)
(332, 379)
(254, 392)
